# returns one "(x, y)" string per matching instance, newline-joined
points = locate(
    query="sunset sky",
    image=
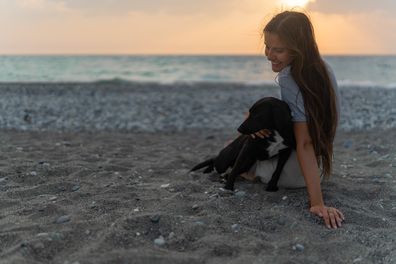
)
(186, 27)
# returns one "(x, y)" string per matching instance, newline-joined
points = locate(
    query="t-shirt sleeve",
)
(290, 93)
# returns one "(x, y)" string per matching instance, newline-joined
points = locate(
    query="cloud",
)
(352, 6)
(152, 6)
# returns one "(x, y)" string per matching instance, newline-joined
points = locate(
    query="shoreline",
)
(140, 107)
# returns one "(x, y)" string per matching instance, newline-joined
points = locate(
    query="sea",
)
(356, 71)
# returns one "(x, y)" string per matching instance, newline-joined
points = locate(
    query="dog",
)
(241, 154)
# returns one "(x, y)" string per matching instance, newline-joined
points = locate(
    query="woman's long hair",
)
(311, 75)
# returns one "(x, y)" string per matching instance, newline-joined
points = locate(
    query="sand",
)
(110, 197)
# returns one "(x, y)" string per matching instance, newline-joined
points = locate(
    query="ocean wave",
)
(343, 84)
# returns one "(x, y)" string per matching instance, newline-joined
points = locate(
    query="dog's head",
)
(266, 113)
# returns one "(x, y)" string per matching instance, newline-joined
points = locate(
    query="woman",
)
(308, 86)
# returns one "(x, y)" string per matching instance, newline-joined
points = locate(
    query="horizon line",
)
(183, 54)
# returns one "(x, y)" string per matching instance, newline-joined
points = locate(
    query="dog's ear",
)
(256, 121)
(248, 126)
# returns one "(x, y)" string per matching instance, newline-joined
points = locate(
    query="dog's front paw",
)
(272, 188)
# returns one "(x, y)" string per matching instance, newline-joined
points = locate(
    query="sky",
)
(187, 26)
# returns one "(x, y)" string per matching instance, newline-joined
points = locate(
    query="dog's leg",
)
(242, 164)
(208, 164)
(283, 156)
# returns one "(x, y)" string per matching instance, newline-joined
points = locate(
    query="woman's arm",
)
(308, 164)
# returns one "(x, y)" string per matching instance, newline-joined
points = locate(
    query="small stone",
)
(281, 221)
(347, 144)
(199, 223)
(224, 192)
(3, 179)
(33, 173)
(240, 194)
(236, 227)
(56, 236)
(160, 241)
(24, 244)
(87, 232)
(53, 198)
(62, 188)
(75, 188)
(165, 185)
(171, 235)
(38, 245)
(356, 260)
(42, 235)
(155, 218)
(63, 219)
(284, 198)
(136, 210)
(298, 247)
(195, 207)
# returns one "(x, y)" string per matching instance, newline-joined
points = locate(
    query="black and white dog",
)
(241, 154)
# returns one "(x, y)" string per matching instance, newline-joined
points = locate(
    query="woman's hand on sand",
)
(263, 133)
(331, 216)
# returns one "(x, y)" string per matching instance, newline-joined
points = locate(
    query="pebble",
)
(63, 219)
(165, 185)
(224, 192)
(195, 207)
(56, 236)
(62, 188)
(171, 235)
(42, 235)
(281, 221)
(24, 244)
(38, 245)
(75, 188)
(347, 144)
(236, 227)
(298, 247)
(240, 194)
(160, 241)
(155, 218)
(199, 223)
(33, 173)
(356, 260)
(3, 179)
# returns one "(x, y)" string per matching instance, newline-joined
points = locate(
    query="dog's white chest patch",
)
(277, 145)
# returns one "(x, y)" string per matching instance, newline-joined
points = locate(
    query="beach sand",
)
(110, 197)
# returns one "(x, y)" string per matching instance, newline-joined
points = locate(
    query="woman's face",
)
(276, 52)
